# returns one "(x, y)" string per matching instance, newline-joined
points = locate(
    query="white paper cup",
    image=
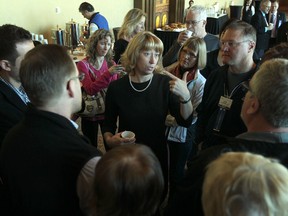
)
(127, 134)
(189, 33)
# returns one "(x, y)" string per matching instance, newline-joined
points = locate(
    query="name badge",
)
(225, 102)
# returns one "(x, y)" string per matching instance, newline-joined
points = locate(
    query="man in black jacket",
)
(196, 20)
(46, 166)
(263, 27)
(265, 113)
(277, 19)
(15, 42)
(219, 111)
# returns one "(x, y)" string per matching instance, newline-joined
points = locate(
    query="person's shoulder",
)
(209, 36)
(82, 62)
(206, 156)
(282, 14)
(159, 76)
(258, 13)
(3, 88)
(218, 73)
(119, 82)
(212, 42)
(120, 44)
(121, 41)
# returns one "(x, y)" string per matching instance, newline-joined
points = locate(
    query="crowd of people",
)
(210, 119)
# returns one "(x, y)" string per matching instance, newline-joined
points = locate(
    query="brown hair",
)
(128, 181)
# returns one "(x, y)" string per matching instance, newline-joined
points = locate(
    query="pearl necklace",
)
(142, 90)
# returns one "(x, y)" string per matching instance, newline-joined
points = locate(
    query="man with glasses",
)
(46, 166)
(196, 20)
(219, 111)
(263, 27)
(265, 114)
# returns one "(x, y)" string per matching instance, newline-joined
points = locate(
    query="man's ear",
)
(5, 65)
(70, 88)
(204, 22)
(251, 47)
(254, 106)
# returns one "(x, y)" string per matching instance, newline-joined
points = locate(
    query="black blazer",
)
(12, 109)
(282, 35)
(280, 19)
(258, 21)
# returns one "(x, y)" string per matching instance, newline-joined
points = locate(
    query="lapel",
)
(11, 97)
(264, 18)
(279, 20)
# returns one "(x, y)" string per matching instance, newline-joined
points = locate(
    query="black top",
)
(119, 48)
(144, 113)
(247, 14)
(187, 199)
(217, 85)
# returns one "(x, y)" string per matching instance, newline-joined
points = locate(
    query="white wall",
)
(39, 16)
(222, 3)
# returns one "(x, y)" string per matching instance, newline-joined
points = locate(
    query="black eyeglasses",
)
(192, 22)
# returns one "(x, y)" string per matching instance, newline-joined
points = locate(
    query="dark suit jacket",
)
(282, 33)
(40, 160)
(259, 23)
(12, 109)
(280, 19)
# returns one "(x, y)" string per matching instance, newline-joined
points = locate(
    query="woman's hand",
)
(116, 140)
(178, 86)
(117, 69)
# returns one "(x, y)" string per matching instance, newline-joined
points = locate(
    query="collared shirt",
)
(20, 92)
(273, 19)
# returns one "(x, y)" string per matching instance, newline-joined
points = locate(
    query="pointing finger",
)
(184, 78)
(170, 75)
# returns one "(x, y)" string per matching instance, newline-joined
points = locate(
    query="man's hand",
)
(182, 37)
(270, 26)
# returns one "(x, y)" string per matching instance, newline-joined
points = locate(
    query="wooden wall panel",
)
(176, 9)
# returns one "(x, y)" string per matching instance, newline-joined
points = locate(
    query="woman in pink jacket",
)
(100, 70)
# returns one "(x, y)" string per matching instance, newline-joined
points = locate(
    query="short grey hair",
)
(270, 86)
(201, 10)
(264, 1)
